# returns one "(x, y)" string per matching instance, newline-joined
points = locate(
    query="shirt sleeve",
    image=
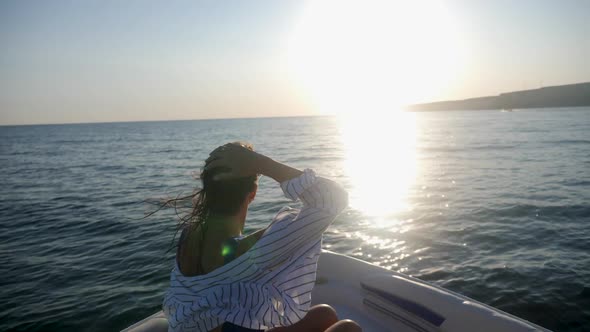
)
(323, 200)
(316, 192)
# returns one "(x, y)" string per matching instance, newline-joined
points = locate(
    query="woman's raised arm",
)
(240, 161)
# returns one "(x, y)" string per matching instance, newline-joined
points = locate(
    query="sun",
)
(362, 60)
(373, 56)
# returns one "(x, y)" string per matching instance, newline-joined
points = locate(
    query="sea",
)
(493, 205)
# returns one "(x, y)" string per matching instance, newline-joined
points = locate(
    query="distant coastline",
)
(571, 95)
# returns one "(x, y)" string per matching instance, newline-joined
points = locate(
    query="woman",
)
(225, 282)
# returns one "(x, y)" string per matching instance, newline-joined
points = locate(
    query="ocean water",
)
(492, 205)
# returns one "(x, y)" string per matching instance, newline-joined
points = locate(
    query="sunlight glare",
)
(362, 60)
(353, 55)
(380, 160)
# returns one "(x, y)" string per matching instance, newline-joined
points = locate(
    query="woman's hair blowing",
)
(214, 198)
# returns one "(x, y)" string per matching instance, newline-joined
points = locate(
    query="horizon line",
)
(404, 109)
(165, 120)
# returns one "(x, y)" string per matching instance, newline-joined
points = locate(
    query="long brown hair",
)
(214, 198)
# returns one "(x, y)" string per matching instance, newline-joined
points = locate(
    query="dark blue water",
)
(492, 205)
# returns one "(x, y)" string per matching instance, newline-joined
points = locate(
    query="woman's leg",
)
(320, 318)
(345, 325)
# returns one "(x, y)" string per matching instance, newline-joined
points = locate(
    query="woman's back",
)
(270, 284)
(201, 251)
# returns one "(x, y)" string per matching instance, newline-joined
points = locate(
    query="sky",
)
(140, 60)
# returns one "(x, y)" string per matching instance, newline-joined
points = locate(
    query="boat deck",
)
(382, 300)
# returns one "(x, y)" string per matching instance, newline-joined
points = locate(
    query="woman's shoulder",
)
(191, 246)
(188, 252)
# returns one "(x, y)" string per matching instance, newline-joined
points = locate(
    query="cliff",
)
(570, 95)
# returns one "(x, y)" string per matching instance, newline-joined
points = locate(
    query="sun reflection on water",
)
(360, 63)
(380, 161)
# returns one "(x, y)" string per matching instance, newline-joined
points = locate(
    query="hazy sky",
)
(94, 61)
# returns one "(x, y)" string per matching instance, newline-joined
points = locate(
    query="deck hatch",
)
(409, 306)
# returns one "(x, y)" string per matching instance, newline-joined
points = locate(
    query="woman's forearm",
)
(274, 169)
(242, 162)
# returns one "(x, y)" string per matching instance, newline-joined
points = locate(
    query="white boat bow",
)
(383, 300)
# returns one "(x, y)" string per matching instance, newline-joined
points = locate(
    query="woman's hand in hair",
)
(237, 158)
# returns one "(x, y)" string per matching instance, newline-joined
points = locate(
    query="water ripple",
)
(496, 214)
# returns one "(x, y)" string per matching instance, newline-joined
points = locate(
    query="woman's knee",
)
(345, 325)
(323, 312)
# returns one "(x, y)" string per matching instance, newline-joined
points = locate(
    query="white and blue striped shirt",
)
(269, 285)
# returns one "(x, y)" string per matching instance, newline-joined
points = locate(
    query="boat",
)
(382, 300)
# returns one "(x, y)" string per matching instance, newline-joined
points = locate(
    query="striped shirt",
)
(269, 285)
